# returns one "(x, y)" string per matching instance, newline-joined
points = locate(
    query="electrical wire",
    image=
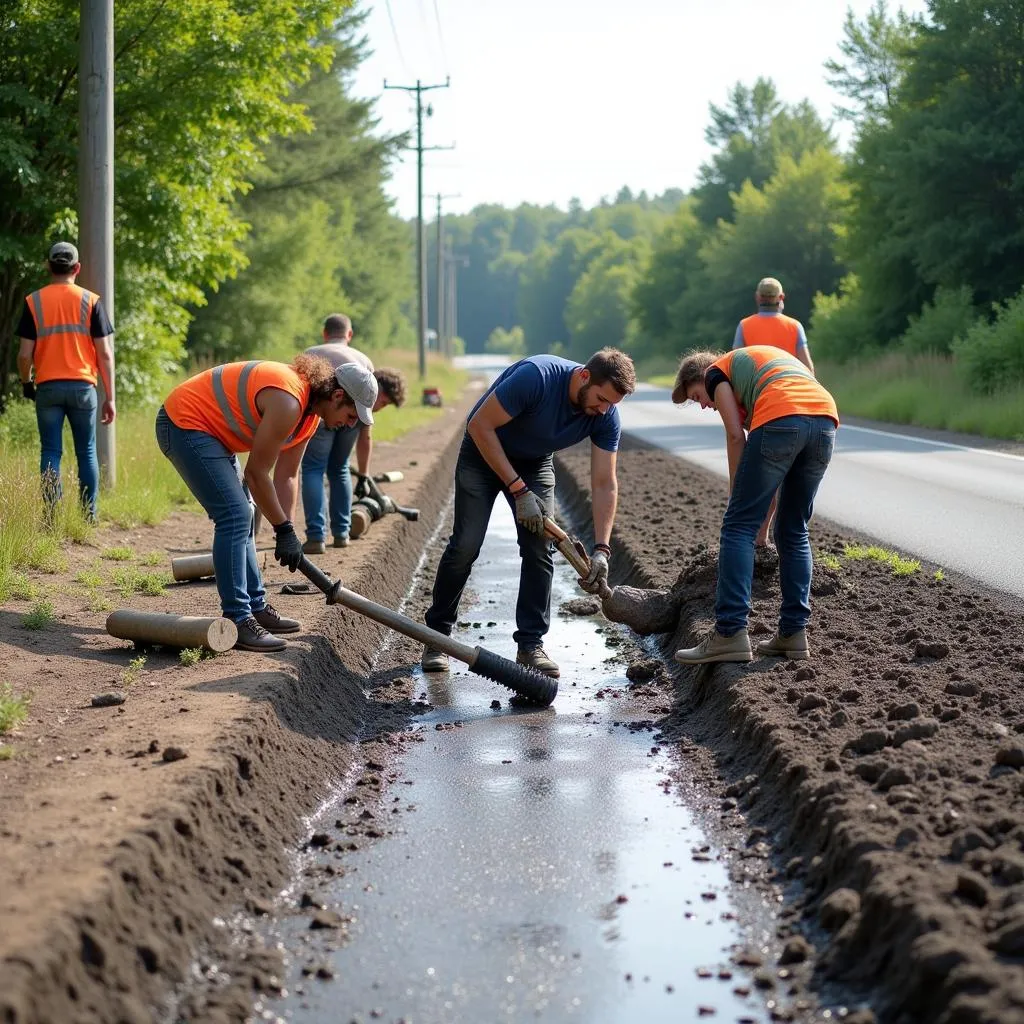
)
(394, 34)
(440, 37)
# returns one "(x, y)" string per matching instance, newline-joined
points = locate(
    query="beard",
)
(580, 405)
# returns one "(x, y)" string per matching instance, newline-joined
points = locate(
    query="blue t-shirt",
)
(535, 393)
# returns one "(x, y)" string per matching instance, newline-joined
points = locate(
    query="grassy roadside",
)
(148, 488)
(923, 390)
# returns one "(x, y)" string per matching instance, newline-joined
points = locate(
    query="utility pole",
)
(452, 263)
(96, 180)
(442, 337)
(421, 266)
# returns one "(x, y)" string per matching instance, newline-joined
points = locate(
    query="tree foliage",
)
(199, 87)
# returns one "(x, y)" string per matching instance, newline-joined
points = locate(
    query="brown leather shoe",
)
(314, 547)
(253, 637)
(269, 619)
(536, 658)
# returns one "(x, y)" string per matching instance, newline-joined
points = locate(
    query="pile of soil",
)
(887, 770)
(129, 833)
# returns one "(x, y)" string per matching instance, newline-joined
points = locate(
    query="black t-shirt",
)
(99, 326)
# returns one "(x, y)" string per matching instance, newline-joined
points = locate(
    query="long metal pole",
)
(439, 314)
(96, 180)
(421, 264)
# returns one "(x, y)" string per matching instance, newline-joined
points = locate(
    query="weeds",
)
(6, 752)
(130, 581)
(18, 586)
(41, 615)
(90, 578)
(118, 554)
(153, 558)
(939, 575)
(900, 566)
(133, 671)
(829, 562)
(98, 603)
(13, 709)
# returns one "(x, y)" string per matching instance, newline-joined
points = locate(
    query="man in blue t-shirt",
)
(536, 407)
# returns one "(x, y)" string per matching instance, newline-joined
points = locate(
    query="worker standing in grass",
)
(792, 421)
(329, 449)
(536, 407)
(769, 326)
(269, 410)
(66, 344)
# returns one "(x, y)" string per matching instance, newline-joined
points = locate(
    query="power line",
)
(394, 34)
(440, 37)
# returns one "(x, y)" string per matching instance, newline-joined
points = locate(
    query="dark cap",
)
(62, 255)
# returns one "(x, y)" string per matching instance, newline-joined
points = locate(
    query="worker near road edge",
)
(769, 326)
(792, 421)
(269, 410)
(329, 450)
(536, 407)
(66, 343)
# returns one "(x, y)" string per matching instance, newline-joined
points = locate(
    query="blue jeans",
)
(476, 487)
(328, 452)
(75, 399)
(788, 455)
(213, 476)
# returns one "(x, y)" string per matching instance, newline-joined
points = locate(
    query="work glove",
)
(361, 490)
(530, 512)
(287, 547)
(28, 390)
(596, 581)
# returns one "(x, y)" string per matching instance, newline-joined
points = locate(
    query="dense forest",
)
(912, 241)
(253, 199)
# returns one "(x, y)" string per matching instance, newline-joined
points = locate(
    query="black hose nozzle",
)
(534, 686)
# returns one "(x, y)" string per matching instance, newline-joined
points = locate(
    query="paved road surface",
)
(960, 507)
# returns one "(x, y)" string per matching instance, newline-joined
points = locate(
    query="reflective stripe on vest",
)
(765, 375)
(82, 327)
(243, 402)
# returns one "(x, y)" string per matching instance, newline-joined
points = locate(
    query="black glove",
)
(288, 547)
(361, 490)
(28, 390)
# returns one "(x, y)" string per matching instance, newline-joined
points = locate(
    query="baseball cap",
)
(769, 289)
(361, 386)
(63, 254)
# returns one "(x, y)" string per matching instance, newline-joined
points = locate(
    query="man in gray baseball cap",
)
(329, 451)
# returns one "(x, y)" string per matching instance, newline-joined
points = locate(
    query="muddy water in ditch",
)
(545, 873)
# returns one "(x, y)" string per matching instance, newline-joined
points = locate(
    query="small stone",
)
(495, 705)
(325, 919)
(174, 754)
(962, 689)
(838, 908)
(318, 840)
(895, 776)
(796, 950)
(936, 649)
(324, 973)
(811, 701)
(1011, 755)
(972, 887)
(869, 742)
(905, 712)
(107, 700)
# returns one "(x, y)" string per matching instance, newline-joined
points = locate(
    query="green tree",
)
(199, 86)
(502, 342)
(323, 235)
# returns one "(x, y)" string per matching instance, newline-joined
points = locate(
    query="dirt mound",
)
(887, 770)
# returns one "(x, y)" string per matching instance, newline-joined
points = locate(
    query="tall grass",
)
(925, 390)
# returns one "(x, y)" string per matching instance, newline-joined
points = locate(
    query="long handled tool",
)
(527, 682)
(575, 553)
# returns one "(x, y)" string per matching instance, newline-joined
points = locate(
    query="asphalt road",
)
(959, 507)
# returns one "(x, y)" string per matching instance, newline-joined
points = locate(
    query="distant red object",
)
(432, 396)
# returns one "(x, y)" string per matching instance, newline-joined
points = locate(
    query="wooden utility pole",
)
(421, 265)
(96, 181)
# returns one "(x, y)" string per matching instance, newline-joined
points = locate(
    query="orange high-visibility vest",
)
(770, 384)
(65, 349)
(779, 331)
(222, 401)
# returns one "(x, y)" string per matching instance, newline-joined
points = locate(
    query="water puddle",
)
(541, 869)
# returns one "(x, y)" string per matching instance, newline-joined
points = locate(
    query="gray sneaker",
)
(536, 658)
(340, 540)
(253, 637)
(314, 547)
(434, 660)
(715, 647)
(793, 646)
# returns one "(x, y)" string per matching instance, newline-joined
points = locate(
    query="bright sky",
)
(551, 99)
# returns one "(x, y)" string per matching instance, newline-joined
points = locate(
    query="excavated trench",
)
(524, 863)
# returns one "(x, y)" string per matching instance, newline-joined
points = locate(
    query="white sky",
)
(551, 99)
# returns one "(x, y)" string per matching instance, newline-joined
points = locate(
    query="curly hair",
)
(392, 383)
(319, 374)
(691, 370)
